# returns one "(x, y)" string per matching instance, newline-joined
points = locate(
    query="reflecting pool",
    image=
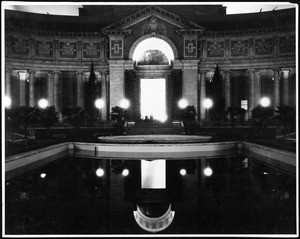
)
(87, 195)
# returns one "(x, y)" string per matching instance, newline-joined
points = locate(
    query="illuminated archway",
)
(148, 42)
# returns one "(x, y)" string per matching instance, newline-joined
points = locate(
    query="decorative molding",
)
(144, 13)
(264, 46)
(239, 48)
(154, 26)
(215, 49)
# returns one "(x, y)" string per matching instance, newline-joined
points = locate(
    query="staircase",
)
(154, 128)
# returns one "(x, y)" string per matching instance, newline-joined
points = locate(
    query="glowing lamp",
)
(7, 102)
(208, 171)
(99, 172)
(99, 103)
(125, 172)
(182, 172)
(182, 103)
(265, 102)
(43, 103)
(207, 103)
(124, 104)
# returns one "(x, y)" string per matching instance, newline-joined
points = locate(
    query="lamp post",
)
(182, 104)
(207, 103)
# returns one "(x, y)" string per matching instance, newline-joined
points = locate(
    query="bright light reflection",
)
(125, 172)
(153, 174)
(124, 104)
(7, 102)
(182, 103)
(43, 175)
(182, 172)
(99, 172)
(43, 103)
(153, 43)
(207, 103)
(153, 104)
(208, 171)
(99, 103)
(265, 102)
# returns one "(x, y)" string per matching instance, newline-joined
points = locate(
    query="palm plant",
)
(48, 117)
(236, 115)
(76, 117)
(260, 115)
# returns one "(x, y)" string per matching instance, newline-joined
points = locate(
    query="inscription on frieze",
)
(44, 49)
(154, 26)
(264, 46)
(20, 47)
(68, 50)
(116, 48)
(287, 44)
(91, 50)
(239, 48)
(216, 49)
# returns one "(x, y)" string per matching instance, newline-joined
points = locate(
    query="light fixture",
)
(265, 102)
(43, 175)
(207, 171)
(182, 172)
(99, 103)
(100, 172)
(43, 103)
(125, 172)
(7, 102)
(182, 104)
(207, 103)
(124, 103)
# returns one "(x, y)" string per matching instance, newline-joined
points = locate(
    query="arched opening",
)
(153, 51)
(153, 57)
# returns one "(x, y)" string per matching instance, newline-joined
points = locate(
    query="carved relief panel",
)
(68, 50)
(116, 48)
(286, 44)
(190, 47)
(20, 47)
(215, 48)
(44, 48)
(153, 26)
(91, 50)
(239, 48)
(264, 46)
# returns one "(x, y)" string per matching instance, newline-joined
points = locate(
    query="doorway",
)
(153, 99)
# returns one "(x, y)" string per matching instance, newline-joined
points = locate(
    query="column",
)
(80, 89)
(251, 91)
(202, 93)
(8, 82)
(55, 89)
(189, 81)
(257, 88)
(22, 79)
(31, 88)
(276, 88)
(103, 96)
(117, 82)
(50, 89)
(285, 87)
(107, 83)
(227, 89)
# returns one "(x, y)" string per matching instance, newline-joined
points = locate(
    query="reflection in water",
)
(240, 196)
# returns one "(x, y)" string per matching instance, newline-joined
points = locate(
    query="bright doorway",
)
(153, 99)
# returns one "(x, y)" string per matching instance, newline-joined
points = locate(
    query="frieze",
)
(264, 46)
(153, 26)
(239, 48)
(20, 47)
(44, 49)
(286, 44)
(216, 49)
(68, 50)
(91, 50)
